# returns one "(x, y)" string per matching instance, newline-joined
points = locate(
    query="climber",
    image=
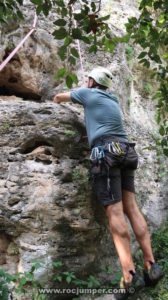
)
(113, 164)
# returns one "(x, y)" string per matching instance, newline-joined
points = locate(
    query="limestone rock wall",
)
(30, 73)
(47, 207)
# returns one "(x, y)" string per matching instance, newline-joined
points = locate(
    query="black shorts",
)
(109, 189)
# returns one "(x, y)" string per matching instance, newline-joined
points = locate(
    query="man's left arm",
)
(62, 97)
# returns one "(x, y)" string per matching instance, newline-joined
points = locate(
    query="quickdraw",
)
(97, 153)
(114, 147)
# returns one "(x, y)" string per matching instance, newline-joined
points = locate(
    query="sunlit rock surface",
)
(47, 207)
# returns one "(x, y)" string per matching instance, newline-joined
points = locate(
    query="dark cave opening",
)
(31, 145)
(21, 92)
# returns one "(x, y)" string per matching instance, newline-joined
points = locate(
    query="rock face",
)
(30, 73)
(47, 207)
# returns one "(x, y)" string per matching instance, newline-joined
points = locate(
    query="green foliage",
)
(81, 176)
(70, 133)
(10, 9)
(21, 281)
(117, 275)
(14, 250)
(128, 80)
(60, 34)
(116, 281)
(92, 281)
(70, 277)
(129, 102)
(76, 174)
(147, 89)
(150, 31)
(129, 53)
(69, 77)
(5, 127)
(69, 26)
(160, 246)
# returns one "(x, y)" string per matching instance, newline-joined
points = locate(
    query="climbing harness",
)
(98, 152)
(4, 63)
(112, 155)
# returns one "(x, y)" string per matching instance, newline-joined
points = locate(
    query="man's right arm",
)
(62, 97)
(76, 96)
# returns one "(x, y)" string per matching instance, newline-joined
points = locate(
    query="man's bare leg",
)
(139, 226)
(121, 238)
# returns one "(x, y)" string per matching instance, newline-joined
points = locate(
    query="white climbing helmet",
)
(102, 76)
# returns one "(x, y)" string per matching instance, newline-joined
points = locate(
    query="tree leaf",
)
(93, 6)
(80, 16)
(39, 9)
(46, 7)
(93, 48)
(37, 265)
(165, 55)
(60, 22)
(111, 46)
(142, 54)
(23, 280)
(37, 2)
(64, 12)
(72, 61)
(73, 77)
(76, 33)
(60, 3)
(85, 39)
(20, 15)
(60, 33)
(20, 2)
(132, 20)
(74, 52)
(67, 41)
(105, 18)
(57, 264)
(68, 279)
(145, 62)
(58, 278)
(69, 81)
(62, 52)
(61, 72)
(161, 130)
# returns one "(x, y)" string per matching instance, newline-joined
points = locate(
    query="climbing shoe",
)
(130, 288)
(152, 276)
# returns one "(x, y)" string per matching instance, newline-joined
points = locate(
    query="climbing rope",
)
(4, 63)
(80, 53)
(80, 56)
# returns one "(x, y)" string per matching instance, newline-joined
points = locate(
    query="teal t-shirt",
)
(102, 113)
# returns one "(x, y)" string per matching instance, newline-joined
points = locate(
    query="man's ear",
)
(91, 83)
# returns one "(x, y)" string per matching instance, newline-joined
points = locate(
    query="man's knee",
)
(114, 209)
(130, 208)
